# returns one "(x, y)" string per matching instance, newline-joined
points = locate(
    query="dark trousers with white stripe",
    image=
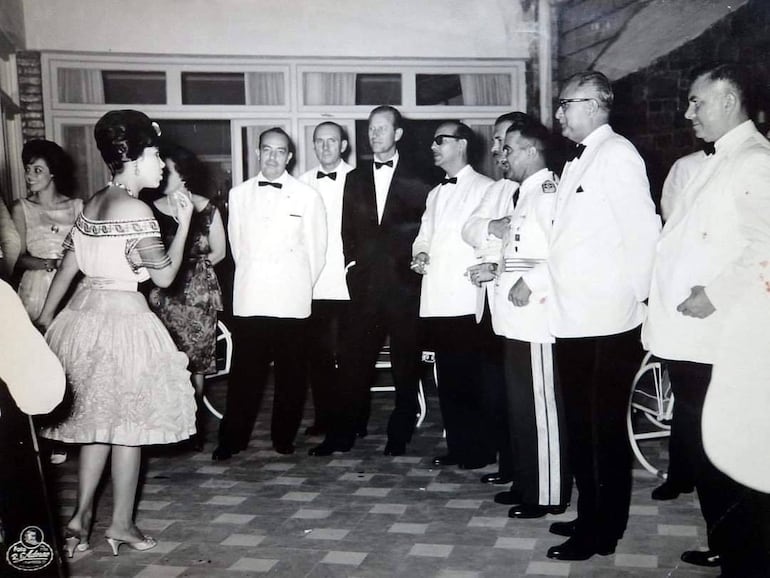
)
(536, 423)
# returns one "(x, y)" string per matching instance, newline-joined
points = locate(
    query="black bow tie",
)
(448, 181)
(579, 148)
(269, 184)
(321, 174)
(708, 148)
(378, 165)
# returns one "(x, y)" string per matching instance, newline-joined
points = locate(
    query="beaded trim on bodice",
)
(129, 228)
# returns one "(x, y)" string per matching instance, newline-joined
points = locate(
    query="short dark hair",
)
(343, 134)
(535, 133)
(395, 115)
(516, 118)
(464, 132)
(599, 82)
(122, 136)
(59, 163)
(276, 130)
(734, 74)
(192, 171)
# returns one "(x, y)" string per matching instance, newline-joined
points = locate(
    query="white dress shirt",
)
(331, 283)
(524, 255)
(682, 171)
(278, 240)
(602, 240)
(382, 179)
(446, 291)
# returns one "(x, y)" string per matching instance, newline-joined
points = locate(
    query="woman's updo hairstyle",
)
(122, 136)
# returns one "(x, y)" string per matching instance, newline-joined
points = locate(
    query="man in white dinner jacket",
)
(330, 293)
(600, 255)
(483, 231)
(277, 231)
(708, 318)
(522, 295)
(448, 300)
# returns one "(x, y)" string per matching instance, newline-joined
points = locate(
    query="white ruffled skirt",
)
(129, 382)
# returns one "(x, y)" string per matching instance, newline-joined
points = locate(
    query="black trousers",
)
(494, 396)
(323, 351)
(458, 345)
(737, 518)
(538, 428)
(367, 324)
(256, 342)
(596, 374)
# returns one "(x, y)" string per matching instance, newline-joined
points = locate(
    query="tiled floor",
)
(359, 514)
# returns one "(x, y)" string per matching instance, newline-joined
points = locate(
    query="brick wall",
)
(30, 95)
(650, 103)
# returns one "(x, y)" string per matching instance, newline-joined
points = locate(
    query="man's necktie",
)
(516, 197)
(378, 165)
(708, 148)
(321, 174)
(448, 181)
(579, 148)
(269, 184)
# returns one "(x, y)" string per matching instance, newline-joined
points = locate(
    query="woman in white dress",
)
(44, 218)
(130, 384)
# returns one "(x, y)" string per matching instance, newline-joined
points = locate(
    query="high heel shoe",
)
(75, 541)
(147, 544)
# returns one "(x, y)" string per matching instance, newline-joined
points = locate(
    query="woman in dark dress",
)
(189, 306)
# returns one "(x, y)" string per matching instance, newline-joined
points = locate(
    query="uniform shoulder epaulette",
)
(549, 186)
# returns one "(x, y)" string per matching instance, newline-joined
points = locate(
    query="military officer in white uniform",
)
(522, 293)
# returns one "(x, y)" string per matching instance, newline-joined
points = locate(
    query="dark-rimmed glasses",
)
(565, 102)
(439, 138)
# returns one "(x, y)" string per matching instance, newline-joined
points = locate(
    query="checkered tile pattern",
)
(359, 514)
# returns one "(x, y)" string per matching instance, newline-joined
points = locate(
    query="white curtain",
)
(81, 86)
(486, 89)
(329, 88)
(265, 88)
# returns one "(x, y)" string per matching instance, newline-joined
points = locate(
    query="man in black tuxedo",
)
(382, 206)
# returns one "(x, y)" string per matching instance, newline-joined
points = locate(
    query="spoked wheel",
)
(650, 410)
(214, 393)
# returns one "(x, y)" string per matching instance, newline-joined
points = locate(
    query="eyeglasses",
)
(439, 138)
(564, 102)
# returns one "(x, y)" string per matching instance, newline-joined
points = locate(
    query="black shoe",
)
(508, 498)
(327, 448)
(285, 449)
(579, 549)
(668, 491)
(708, 558)
(395, 449)
(566, 529)
(495, 478)
(446, 460)
(315, 430)
(222, 453)
(526, 512)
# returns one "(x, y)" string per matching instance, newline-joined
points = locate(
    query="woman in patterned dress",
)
(188, 307)
(129, 382)
(44, 218)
